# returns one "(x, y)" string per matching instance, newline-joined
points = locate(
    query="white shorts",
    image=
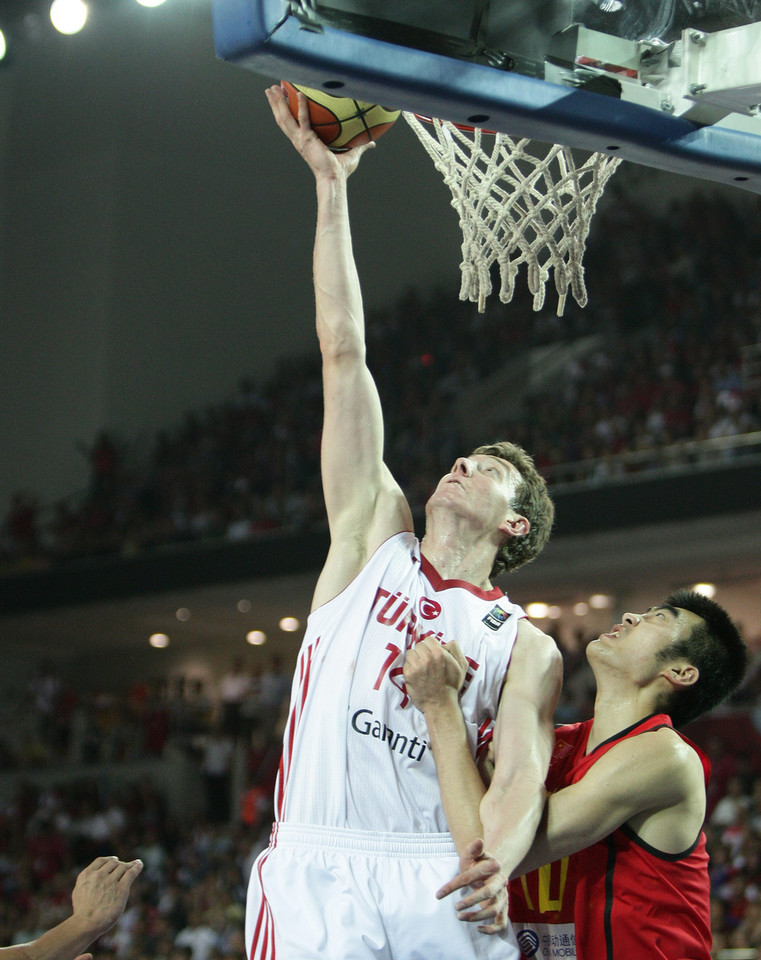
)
(318, 893)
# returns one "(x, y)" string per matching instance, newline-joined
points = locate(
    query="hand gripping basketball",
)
(341, 122)
(299, 131)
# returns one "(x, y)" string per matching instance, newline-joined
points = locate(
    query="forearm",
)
(511, 815)
(64, 942)
(543, 851)
(462, 788)
(524, 739)
(338, 297)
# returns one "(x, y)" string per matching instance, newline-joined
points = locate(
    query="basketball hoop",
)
(518, 202)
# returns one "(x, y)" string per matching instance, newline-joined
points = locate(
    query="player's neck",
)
(457, 553)
(617, 710)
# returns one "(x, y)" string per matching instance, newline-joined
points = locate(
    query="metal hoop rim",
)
(460, 126)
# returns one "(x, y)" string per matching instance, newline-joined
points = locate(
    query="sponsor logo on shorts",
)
(364, 723)
(528, 942)
(496, 617)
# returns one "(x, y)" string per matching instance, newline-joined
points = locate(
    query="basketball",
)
(340, 122)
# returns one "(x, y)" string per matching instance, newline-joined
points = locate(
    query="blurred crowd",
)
(675, 312)
(52, 722)
(188, 904)
(672, 336)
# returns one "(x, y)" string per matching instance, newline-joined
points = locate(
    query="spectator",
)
(217, 771)
(234, 687)
(99, 898)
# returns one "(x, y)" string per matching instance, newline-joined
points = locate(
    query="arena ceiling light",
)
(600, 601)
(707, 589)
(3, 46)
(537, 611)
(150, 3)
(68, 16)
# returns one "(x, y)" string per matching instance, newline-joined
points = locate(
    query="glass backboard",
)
(674, 84)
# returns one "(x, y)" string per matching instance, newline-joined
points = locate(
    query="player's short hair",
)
(716, 647)
(531, 501)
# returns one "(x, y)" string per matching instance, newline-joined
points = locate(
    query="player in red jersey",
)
(618, 868)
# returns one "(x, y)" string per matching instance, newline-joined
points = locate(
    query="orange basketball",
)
(340, 122)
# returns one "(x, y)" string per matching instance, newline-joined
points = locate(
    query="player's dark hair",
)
(715, 647)
(531, 501)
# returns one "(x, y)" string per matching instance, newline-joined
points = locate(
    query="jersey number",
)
(396, 676)
(393, 675)
(550, 888)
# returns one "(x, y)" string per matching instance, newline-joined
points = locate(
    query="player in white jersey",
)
(360, 842)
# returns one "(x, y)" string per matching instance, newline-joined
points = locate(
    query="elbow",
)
(340, 346)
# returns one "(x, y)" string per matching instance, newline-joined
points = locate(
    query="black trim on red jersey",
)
(654, 851)
(608, 920)
(628, 730)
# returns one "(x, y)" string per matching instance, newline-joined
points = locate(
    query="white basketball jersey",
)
(356, 752)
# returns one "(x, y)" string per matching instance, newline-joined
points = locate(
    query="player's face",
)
(636, 645)
(481, 487)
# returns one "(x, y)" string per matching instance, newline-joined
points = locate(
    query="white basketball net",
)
(516, 207)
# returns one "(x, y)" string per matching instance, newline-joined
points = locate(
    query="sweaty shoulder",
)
(671, 782)
(536, 666)
(668, 769)
(531, 632)
(676, 753)
(535, 646)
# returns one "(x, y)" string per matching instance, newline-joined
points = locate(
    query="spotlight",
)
(68, 16)
(600, 601)
(707, 589)
(537, 611)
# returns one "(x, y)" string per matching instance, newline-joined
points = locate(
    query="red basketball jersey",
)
(619, 899)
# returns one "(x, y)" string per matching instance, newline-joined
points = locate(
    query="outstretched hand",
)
(488, 901)
(322, 160)
(101, 891)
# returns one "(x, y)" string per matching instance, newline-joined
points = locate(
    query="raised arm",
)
(99, 898)
(364, 504)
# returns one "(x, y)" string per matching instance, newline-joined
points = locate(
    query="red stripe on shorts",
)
(263, 943)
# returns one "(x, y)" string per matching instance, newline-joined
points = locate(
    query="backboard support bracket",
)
(265, 37)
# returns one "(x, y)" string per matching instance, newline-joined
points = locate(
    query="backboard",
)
(663, 83)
